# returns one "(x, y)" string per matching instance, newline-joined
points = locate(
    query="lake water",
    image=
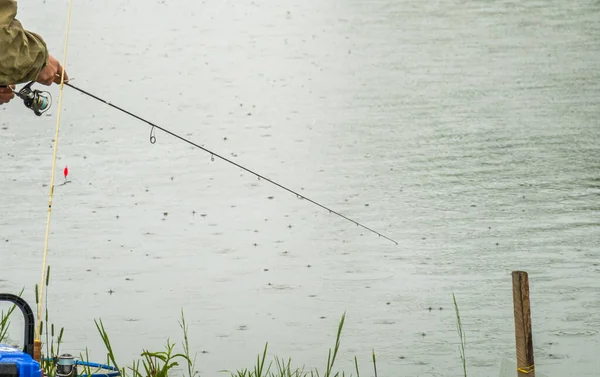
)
(467, 131)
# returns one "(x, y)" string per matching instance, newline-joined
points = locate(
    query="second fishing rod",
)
(39, 102)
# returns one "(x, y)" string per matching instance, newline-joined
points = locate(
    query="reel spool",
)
(37, 101)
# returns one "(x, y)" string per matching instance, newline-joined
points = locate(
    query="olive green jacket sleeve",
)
(23, 54)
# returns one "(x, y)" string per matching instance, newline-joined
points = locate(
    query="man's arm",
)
(23, 54)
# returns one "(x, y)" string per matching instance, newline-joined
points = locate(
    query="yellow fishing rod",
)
(39, 103)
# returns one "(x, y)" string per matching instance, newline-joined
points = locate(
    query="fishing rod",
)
(41, 104)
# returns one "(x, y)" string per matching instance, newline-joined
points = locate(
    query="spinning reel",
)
(38, 101)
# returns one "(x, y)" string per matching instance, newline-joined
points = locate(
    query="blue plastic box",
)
(16, 363)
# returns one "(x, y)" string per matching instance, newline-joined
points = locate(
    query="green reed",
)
(54, 337)
(285, 369)
(163, 363)
(5, 320)
(153, 364)
(48, 362)
(461, 334)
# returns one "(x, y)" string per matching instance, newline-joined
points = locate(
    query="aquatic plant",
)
(5, 320)
(52, 345)
(191, 364)
(285, 369)
(48, 363)
(461, 334)
(154, 364)
(162, 363)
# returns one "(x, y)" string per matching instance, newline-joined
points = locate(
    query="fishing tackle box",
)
(15, 362)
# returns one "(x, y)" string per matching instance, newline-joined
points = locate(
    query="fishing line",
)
(213, 155)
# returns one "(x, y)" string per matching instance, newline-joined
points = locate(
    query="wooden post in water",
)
(524, 340)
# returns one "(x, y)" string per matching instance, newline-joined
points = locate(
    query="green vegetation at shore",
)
(164, 363)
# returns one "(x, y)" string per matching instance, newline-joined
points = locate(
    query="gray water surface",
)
(467, 131)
